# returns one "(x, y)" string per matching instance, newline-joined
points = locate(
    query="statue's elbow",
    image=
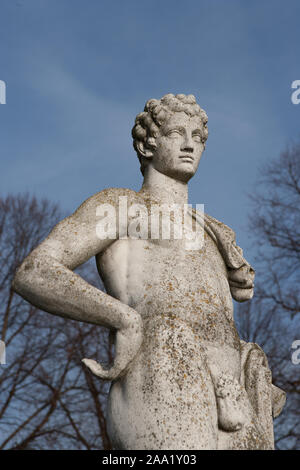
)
(23, 277)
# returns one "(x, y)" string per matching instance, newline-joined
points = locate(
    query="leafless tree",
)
(272, 319)
(49, 400)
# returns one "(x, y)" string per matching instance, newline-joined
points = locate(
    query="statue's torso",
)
(185, 302)
(161, 279)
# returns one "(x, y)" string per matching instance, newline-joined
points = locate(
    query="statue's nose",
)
(188, 144)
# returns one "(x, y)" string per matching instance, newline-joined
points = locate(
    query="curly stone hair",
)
(156, 112)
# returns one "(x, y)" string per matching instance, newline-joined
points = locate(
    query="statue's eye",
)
(174, 133)
(197, 137)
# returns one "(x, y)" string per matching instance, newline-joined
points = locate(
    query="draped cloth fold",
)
(240, 272)
(267, 400)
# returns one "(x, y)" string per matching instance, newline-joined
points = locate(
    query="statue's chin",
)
(183, 175)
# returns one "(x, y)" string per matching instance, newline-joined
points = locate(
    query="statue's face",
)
(178, 146)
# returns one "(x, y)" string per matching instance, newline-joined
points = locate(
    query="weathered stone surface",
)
(182, 378)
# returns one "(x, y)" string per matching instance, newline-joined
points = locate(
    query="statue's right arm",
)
(46, 278)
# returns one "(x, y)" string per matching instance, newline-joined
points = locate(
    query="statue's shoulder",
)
(220, 227)
(217, 230)
(109, 196)
(224, 236)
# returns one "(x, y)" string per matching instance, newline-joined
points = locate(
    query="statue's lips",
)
(187, 158)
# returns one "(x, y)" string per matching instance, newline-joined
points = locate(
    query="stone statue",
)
(181, 378)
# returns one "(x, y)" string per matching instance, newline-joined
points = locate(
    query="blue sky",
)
(77, 73)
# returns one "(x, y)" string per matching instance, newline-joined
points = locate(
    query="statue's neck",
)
(164, 188)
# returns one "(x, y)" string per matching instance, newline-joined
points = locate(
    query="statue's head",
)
(172, 131)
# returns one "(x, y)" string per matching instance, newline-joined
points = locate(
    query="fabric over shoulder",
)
(240, 272)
